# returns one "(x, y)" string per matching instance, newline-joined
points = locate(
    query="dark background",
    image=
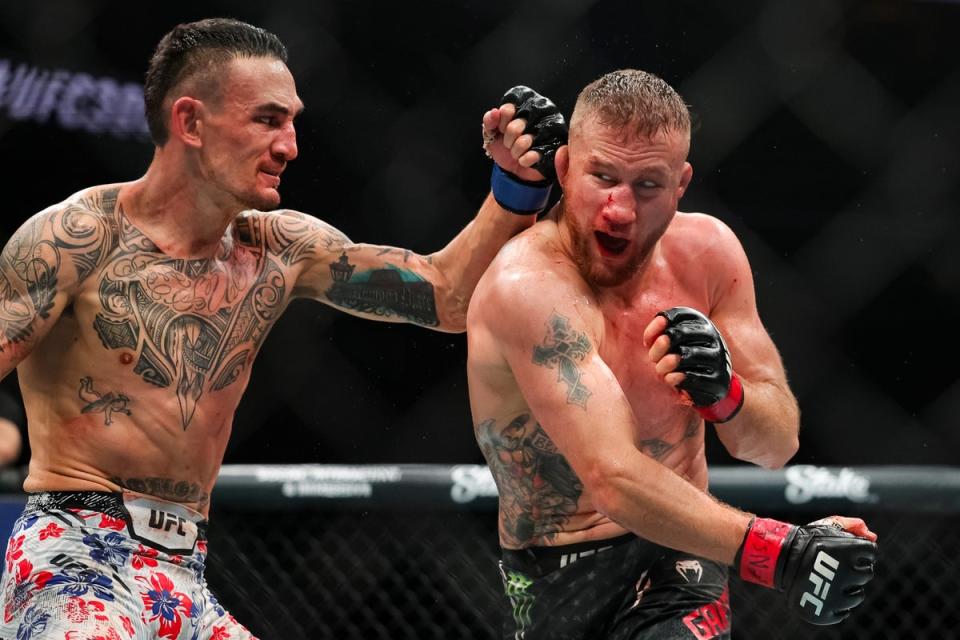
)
(826, 137)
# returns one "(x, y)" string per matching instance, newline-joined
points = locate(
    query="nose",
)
(620, 207)
(285, 144)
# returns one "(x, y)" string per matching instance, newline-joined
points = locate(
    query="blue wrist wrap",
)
(516, 195)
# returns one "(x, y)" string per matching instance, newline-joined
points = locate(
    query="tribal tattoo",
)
(562, 348)
(538, 489)
(197, 324)
(31, 264)
(166, 489)
(388, 292)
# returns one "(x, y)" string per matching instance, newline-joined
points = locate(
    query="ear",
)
(685, 177)
(186, 123)
(561, 162)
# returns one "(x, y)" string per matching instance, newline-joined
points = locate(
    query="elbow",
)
(601, 480)
(778, 456)
(779, 459)
(452, 313)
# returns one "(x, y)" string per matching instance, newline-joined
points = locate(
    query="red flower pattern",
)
(52, 530)
(219, 633)
(144, 557)
(165, 605)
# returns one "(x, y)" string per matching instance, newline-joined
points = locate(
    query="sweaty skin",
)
(133, 312)
(137, 382)
(574, 400)
(542, 499)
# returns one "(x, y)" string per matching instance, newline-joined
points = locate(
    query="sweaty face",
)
(248, 134)
(620, 192)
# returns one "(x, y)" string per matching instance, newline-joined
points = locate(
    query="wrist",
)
(726, 408)
(516, 195)
(762, 553)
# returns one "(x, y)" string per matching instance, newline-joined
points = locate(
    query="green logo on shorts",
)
(515, 586)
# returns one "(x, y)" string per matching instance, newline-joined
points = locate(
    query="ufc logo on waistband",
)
(166, 521)
(824, 571)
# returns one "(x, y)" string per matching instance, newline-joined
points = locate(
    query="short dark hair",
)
(200, 50)
(634, 98)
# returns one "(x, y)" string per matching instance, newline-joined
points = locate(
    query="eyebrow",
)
(656, 171)
(275, 107)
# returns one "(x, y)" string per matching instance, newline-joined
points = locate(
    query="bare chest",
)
(192, 327)
(663, 418)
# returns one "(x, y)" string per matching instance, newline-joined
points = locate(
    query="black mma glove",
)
(715, 389)
(821, 568)
(544, 122)
(549, 130)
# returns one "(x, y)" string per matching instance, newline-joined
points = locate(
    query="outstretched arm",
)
(397, 285)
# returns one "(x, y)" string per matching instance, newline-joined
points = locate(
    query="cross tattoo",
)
(562, 347)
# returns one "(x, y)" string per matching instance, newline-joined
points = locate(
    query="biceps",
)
(29, 300)
(383, 282)
(573, 393)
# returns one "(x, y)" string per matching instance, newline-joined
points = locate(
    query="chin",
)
(262, 201)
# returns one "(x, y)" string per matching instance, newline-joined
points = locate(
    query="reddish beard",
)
(592, 267)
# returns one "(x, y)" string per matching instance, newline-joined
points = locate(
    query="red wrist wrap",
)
(726, 408)
(761, 550)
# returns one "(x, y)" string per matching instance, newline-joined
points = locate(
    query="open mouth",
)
(609, 245)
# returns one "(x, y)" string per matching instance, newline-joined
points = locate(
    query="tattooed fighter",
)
(133, 313)
(601, 341)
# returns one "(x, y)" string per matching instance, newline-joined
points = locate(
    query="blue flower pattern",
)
(77, 582)
(34, 621)
(109, 550)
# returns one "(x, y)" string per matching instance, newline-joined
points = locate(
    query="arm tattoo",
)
(387, 292)
(105, 403)
(538, 489)
(166, 489)
(563, 347)
(31, 264)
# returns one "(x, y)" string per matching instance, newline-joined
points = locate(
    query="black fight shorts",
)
(618, 589)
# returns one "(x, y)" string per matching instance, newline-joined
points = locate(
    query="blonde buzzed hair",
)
(633, 99)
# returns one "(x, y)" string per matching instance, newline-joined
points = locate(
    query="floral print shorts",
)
(109, 566)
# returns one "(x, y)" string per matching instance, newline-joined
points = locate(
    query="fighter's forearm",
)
(765, 431)
(467, 256)
(657, 504)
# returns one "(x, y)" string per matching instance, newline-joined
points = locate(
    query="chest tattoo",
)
(195, 324)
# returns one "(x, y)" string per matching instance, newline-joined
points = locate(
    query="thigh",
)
(52, 589)
(680, 597)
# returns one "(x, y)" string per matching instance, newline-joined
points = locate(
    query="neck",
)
(170, 205)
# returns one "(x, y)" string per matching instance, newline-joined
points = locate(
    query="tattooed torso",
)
(136, 382)
(542, 500)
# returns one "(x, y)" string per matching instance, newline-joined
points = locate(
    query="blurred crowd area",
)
(826, 135)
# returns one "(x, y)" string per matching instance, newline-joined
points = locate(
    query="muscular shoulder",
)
(704, 250)
(530, 277)
(286, 233)
(703, 240)
(83, 224)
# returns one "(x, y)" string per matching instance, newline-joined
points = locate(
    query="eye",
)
(270, 121)
(647, 184)
(603, 177)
